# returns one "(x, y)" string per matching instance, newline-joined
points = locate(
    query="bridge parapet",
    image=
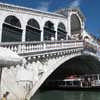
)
(90, 47)
(24, 48)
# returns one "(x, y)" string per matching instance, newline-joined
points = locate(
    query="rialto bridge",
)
(44, 40)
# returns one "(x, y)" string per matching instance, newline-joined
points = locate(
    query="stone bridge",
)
(40, 59)
(44, 40)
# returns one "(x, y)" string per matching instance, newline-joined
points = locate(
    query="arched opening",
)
(75, 27)
(49, 31)
(11, 31)
(61, 32)
(78, 66)
(33, 31)
(86, 38)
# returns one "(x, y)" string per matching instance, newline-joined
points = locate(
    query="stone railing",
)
(36, 46)
(90, 47)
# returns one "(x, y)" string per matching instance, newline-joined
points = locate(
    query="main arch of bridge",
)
(59, 64)
(39, 26)
(80, 65)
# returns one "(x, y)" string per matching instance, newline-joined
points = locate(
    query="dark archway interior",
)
(75, 27)
(61, 31)
(33, 31)
(11, 31)
(49, 30)
(80, 65)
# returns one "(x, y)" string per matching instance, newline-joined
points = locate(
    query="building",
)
(24, 24)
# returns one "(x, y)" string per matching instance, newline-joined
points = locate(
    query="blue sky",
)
(90, 9)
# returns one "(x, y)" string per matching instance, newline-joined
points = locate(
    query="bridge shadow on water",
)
(80, 65)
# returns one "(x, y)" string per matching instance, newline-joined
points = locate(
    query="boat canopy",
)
(78, 79)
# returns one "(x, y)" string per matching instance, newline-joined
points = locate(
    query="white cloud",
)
(75, 3)
(44, 6)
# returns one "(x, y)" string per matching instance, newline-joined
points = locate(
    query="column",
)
(69, 24)
(56, 35)
(82, 27)
(42, 34)
(2, 18)
(42, 31)
(1, 31)
(24, 32)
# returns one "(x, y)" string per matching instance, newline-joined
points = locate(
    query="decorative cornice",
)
(12, 7)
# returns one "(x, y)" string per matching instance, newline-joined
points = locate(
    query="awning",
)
(8, 57)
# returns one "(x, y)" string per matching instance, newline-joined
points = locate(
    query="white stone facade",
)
(24, 15)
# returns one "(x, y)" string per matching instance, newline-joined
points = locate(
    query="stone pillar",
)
(23, 32)
(82, 27)
(42, 34)
(69, 24)
(56, 35)
(2, 18)
(66, 35)
(42, 31)
(1, 30)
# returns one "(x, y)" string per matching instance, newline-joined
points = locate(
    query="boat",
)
(85, 82)
(74, 82)
(71, 82)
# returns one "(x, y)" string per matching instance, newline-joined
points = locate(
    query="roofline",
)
(30, 9)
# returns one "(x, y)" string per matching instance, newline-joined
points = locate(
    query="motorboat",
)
(84, 82)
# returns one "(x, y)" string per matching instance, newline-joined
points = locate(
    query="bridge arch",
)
(49, 30)
(76, 26)
(11, 29)
(80, 65)
(55, 65)
(33, 31)
(61, 31)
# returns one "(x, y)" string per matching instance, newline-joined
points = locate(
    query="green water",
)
(67, 95)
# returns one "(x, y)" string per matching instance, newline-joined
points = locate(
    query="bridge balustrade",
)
(36, 46)
(90, 47)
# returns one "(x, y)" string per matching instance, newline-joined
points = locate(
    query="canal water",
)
(67, 95)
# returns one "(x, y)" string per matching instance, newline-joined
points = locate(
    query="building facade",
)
(20, 24)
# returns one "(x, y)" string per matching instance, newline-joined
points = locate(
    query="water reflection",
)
(67, 95)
